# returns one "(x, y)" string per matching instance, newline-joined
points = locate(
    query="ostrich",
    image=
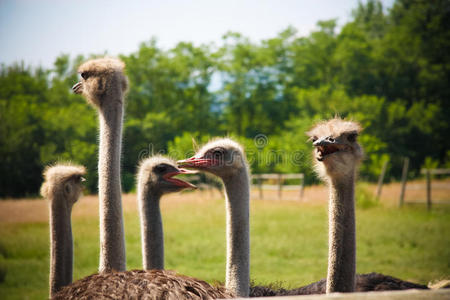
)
(104, 86)
(62, 187)
(337, 156)
(225, 158)
(155, 178)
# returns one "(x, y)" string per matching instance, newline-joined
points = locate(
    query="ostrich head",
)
(157, 172)
(337, 152)
(101, 78)
(221, 157)
(63, 183)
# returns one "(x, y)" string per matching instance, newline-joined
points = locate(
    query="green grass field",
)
(288, 244)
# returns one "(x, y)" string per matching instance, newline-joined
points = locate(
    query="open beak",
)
(326, 146)
(77, 88)
(184, 184)
(195, 162)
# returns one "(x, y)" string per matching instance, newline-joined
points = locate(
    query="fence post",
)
(428, 189)
(280, 185)
(302, 186)
(380, 179)
(404, 177)
(260, 186)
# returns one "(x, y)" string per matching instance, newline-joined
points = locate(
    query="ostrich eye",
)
(160, 168)
(314, 138)
(67, 188)
(219, 152)
(84, 75)
(352, 137)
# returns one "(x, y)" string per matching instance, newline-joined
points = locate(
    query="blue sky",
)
(37, 31)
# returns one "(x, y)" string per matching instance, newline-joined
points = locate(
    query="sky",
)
(37, 31)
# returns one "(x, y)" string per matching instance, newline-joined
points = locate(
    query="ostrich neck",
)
(112, 239)
(238, 234)
(152, 235)
(61, 254)
(342, 241)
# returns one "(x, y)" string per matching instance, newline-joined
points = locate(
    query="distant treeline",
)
(388, 70)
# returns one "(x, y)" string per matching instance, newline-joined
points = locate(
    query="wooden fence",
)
(428, 173)
(280, 179)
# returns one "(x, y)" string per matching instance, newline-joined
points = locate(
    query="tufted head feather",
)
(334, 127)
(63, 178)
(105, 65)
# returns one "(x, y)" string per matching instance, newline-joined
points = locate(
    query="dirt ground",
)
(36, 210)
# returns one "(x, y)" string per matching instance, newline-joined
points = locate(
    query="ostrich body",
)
(155, 179)
(104, 86)
(225, 158)
(337, 156)
(62, 187)
(141, 284)
(364, 283)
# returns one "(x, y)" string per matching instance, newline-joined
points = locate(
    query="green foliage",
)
(184, 146)
(128, 185)
(389, 71)
(447, 160)
(430, 163)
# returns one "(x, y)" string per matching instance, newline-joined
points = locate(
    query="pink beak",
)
(195, 162)
(169, 177)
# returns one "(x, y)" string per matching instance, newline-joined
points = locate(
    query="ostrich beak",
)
(326, 141)
(77, 88)
(186, 171)
(195, 162)
(325, 146)
(184, 184)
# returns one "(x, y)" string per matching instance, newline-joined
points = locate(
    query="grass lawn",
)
(288, 241)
